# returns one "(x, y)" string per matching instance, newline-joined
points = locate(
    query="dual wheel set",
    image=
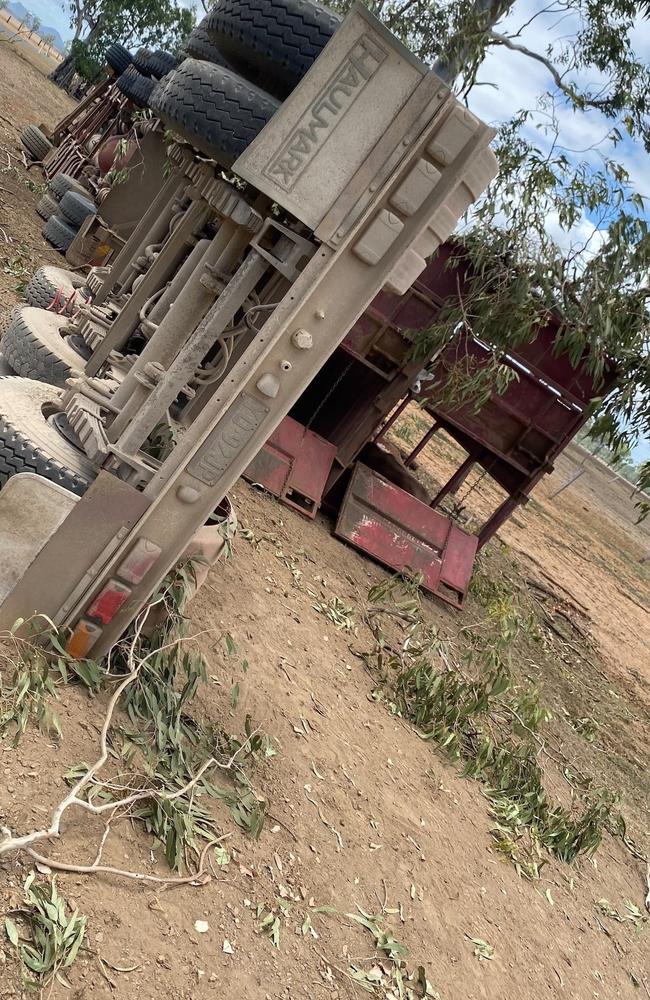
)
(65, 207)
(243, 59)
(254, 52)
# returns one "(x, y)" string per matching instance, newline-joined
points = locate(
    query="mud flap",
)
(294, 465)
(405, 534)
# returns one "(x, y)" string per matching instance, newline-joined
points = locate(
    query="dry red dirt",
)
(413, 836)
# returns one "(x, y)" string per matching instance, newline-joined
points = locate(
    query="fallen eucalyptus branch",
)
(199, 877)
(74, 798)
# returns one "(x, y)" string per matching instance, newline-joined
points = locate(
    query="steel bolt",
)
(302, 339)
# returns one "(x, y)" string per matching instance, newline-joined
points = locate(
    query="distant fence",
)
(35, 41)
(635, 492)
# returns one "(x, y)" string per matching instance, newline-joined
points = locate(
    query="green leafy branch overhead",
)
(560, 230)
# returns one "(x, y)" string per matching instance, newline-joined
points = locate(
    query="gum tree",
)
(591, 266)
(97, 23)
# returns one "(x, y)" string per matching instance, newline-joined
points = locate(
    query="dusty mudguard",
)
(31, 510)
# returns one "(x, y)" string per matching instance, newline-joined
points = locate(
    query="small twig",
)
(283, 825)
(336, 968)
(325, 822)
(107, 830)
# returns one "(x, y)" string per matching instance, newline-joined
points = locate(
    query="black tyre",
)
(46, 206)
(161, 63)
(55, 284)
(58, 232)
(212, 108)
(5, 367)
(154, 64)
(32, 344)
(141, 60)
(199, 45)
(271, 42)
(36, 142)
(136, 87)
(30, 440)
(62, 183)
(118, 58)
(75, 208)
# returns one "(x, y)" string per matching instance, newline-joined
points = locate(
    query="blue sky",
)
(56, 14)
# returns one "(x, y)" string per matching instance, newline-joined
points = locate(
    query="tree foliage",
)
(591, 266)
(98, 23)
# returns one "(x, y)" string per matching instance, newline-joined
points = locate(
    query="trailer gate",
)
(401, 532)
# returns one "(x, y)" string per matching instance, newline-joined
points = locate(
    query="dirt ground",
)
(361, 811)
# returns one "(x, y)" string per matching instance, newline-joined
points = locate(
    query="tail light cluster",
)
(113, 596)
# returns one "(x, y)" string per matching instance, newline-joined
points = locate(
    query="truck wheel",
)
(58, 232)
(136, 87)
(5, 367)
(156, 64)
(163, 62)
(46, 207)
(36, 142)
(30, 440)
(76, 208)
(213, 108)
(271, 42)
(199, 45)
(140, 59)
(49, 282)
(118, 58)
(32, 344)
(62, 183)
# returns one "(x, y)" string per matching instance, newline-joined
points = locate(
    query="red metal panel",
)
(294, 465)
(458, 559)
(403, 533)
(270, 468)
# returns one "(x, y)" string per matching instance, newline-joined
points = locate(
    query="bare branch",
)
(566, 88)
(199, 877)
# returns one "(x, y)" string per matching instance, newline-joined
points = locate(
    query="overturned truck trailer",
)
(354, 182)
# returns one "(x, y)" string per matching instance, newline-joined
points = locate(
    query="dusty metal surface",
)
(123, 205)
(31, 509)
(67, 562)
(335, 109)
(401, 532)
(294, 465)
(528, 424)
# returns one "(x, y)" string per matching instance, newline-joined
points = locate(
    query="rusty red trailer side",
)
(514, 437)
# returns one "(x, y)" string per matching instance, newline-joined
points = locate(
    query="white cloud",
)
(521, 81)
